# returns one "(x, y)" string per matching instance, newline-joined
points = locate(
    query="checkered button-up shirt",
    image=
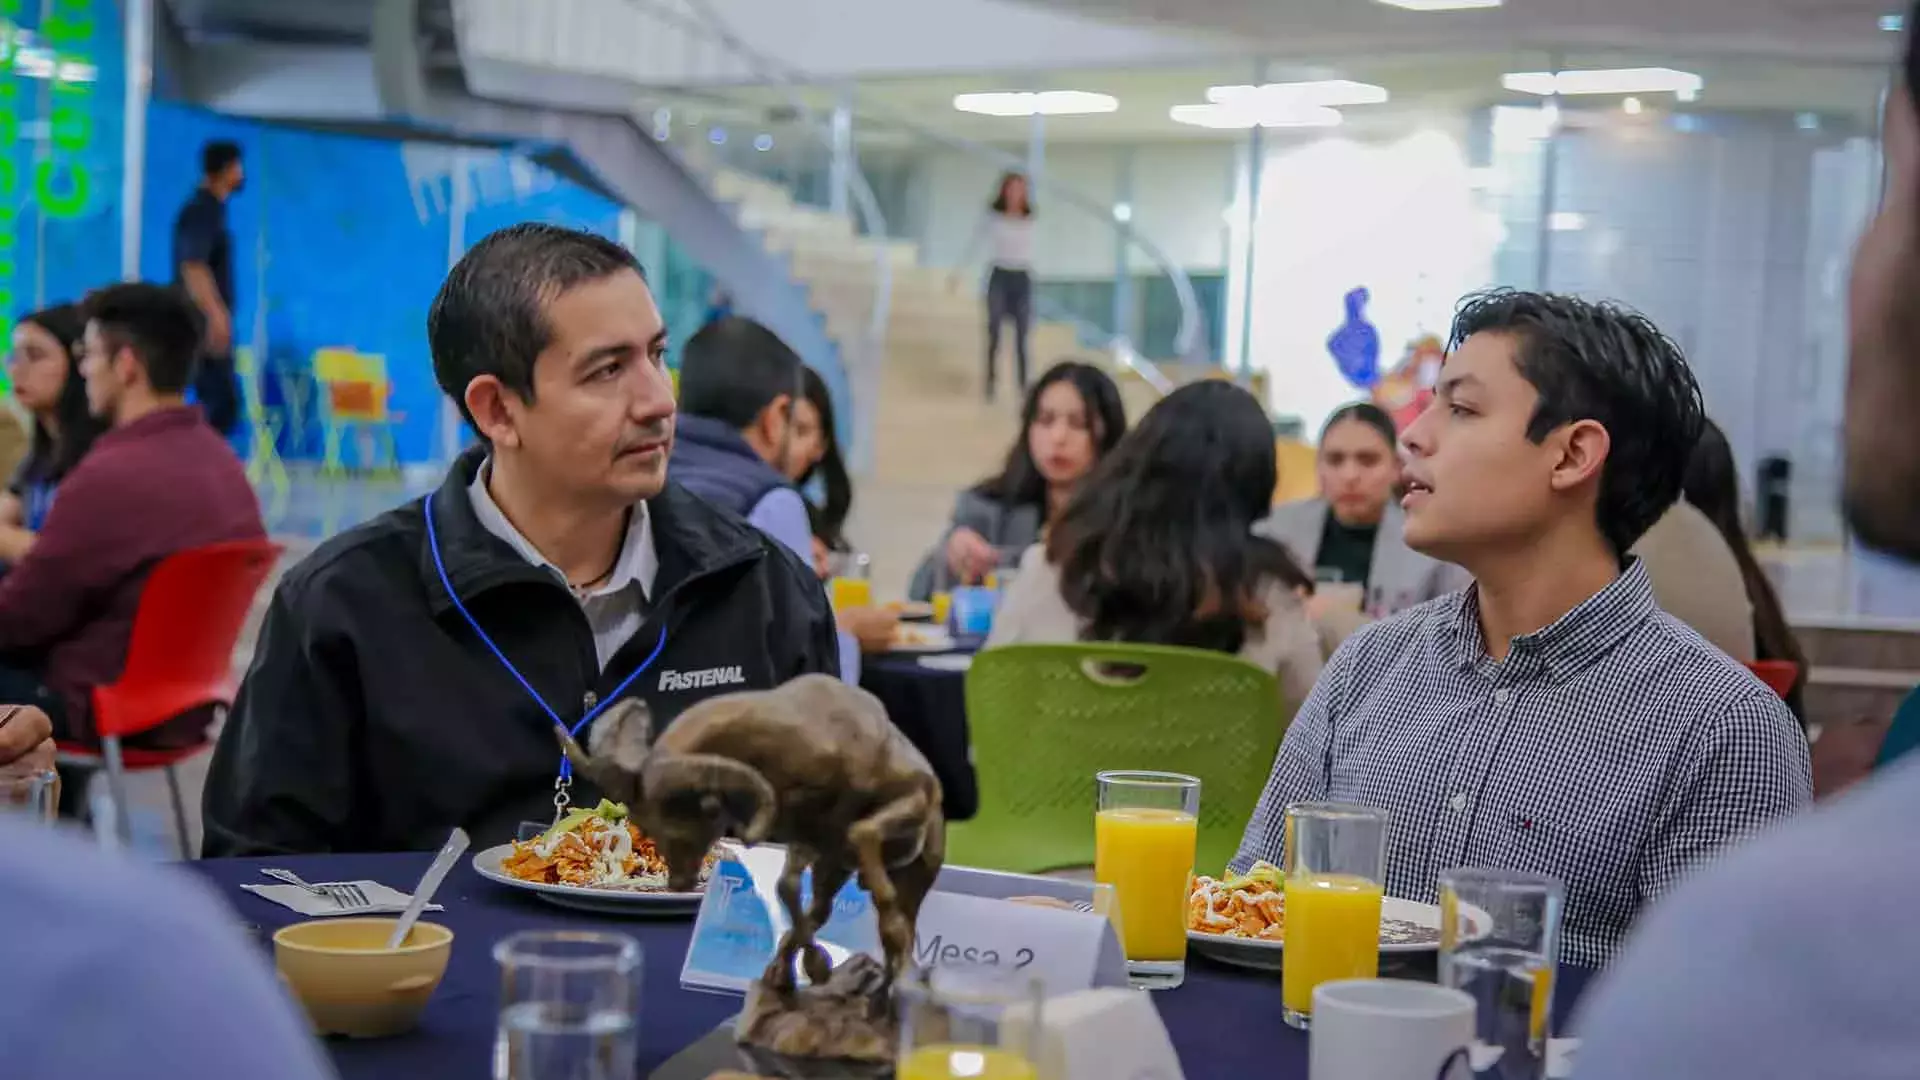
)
(1613, 749)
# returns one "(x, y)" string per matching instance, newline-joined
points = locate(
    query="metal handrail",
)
(1187, 338)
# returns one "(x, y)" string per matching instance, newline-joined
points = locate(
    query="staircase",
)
(933, 432)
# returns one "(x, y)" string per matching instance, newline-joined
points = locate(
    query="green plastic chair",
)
(1043, 719)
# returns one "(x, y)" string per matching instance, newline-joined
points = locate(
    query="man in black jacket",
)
(411, 671)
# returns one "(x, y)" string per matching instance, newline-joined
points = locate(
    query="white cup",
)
(1390, 1029)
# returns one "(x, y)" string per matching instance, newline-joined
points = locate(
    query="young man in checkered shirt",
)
(1550, 717)
(1795, 957)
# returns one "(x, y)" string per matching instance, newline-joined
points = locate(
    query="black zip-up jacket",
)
(374, 719)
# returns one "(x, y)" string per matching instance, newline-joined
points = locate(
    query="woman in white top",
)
(1158, 547)
(1007, 231)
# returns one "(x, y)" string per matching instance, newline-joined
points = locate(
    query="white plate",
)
(1266, 955)
(631, 902)
(922, 639)
(958, 661)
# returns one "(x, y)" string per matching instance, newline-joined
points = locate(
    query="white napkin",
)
(381, 900)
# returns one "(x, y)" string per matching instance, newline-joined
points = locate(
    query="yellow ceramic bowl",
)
(351, 983)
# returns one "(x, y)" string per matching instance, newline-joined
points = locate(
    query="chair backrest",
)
(356, 400)
(1779, 675)
(1043, 719)
(1903, 735)
(191, 612)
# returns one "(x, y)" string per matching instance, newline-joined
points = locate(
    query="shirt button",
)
(1458, 802)
(1501, 695)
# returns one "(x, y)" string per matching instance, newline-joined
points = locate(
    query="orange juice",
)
(1333, 932)
(944, 1062)
(942, 608)
(851, 593)
(1147, 856)
(1542, 998)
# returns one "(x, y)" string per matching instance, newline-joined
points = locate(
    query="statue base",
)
(842, 1028)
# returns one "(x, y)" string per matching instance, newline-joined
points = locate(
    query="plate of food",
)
(914, 637)
(1241, 919)
(594, 860)
(912, 610)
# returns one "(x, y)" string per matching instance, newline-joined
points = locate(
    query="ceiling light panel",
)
(1684, 84)
(1043, 103)
(1323, 92)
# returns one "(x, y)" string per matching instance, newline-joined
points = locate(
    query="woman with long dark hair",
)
(45, 367)
(815, 455)
(1007, 233)
(1072, 417)
(1712, 485)
(1158, 546)
(813, 450)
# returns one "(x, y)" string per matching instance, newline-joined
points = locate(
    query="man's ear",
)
(487, 400)
(1584, 447)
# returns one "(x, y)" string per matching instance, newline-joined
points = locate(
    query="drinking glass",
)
(33, 792)
(1499, 939)
(851, 585)
(1144, 835)
(1336, 875)
(979, 1023)
(569, 1007)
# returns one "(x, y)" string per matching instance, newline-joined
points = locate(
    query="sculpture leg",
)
(905, 816)
(779, 974)
(827, 882)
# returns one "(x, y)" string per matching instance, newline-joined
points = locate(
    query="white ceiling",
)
(1802, 29)
(1423, 88)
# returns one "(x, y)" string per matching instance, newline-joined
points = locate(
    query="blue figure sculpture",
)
(1355, 345)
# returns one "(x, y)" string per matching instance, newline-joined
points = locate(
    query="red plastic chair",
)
(1779, 675)
(191, 612)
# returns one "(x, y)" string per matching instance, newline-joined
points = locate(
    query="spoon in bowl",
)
(450, 853)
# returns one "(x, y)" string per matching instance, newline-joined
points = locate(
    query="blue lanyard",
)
(566, 765)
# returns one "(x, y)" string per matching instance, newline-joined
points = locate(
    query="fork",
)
(344, 895)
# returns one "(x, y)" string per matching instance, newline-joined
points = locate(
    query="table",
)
(1224, 1022)
(930, 708)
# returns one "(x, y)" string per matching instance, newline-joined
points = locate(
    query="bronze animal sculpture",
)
(815, 765)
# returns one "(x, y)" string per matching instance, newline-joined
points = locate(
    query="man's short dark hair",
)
(1607, 363)
(216, 155)
(490, 316)
(159, 324)
(734, 368)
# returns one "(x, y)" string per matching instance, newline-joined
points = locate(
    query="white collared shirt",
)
(616, 607)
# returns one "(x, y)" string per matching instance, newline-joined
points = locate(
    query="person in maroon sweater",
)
(157, 482)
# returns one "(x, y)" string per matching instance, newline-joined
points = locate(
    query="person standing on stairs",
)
(1007, 232)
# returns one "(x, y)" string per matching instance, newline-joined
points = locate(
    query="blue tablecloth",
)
(930, 707)
(1224, 1022)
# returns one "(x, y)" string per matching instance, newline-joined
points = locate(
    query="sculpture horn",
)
(715, 773)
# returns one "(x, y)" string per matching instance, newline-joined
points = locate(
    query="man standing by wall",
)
(203, 265)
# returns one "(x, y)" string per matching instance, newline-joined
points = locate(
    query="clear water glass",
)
(976, 1022)
(1499, 942)
(569, 1007)
(30, 792)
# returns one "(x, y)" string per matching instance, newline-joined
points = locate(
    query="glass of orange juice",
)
(1144, 835)
(1336, 875)
(974, 1022)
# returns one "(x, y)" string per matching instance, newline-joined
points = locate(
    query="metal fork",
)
(344, 895)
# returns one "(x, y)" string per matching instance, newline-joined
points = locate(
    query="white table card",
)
(969, 919)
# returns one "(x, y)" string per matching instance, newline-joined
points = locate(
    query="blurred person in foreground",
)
(159, 481)
(1794, 957)
(411, 671)
(1353, 534)
(1071, 419)
(86, 926)
(1549, 718)
(45, 366)
(203, 266)
(1158, 547)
